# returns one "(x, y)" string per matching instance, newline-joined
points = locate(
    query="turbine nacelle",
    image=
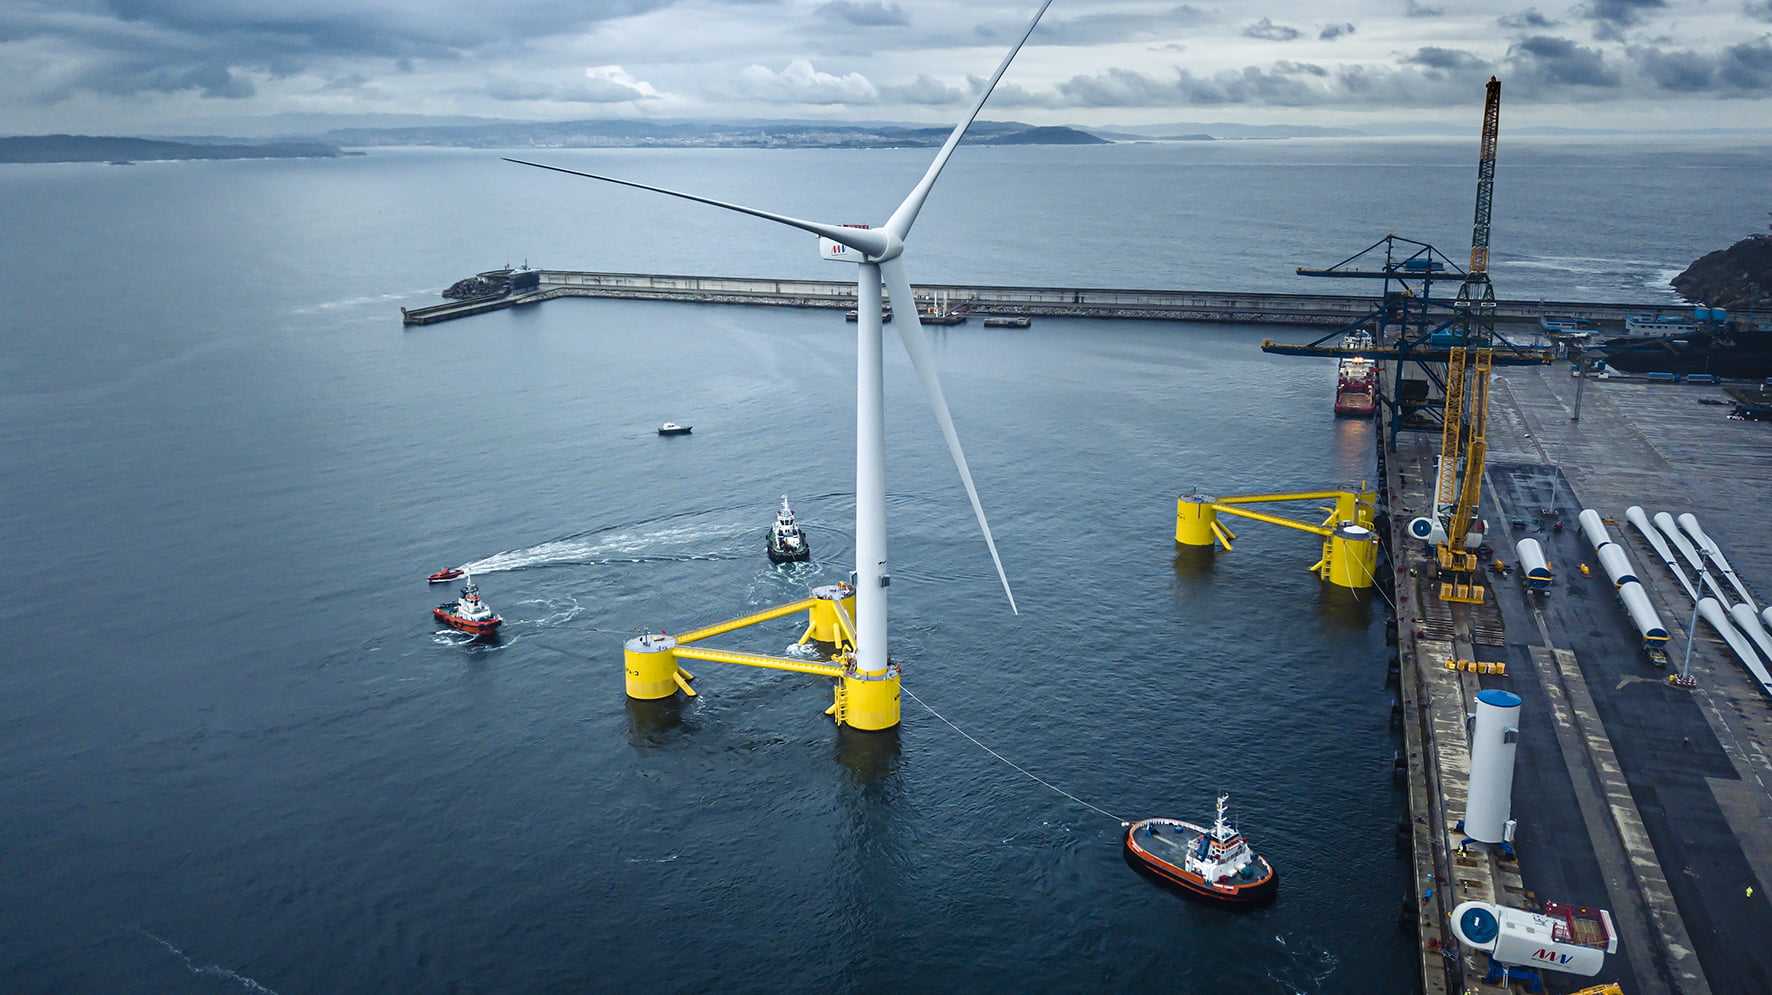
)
(869, 245)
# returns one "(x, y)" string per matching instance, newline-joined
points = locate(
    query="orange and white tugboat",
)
(1356, 379)
(1217, 863)
(469, 613)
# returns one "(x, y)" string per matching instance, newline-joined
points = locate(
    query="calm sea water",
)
(236, 753)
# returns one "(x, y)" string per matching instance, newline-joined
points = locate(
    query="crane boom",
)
(1486, 176)
(1464, 423)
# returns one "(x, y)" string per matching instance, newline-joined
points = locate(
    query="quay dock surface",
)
(1631, 794)
(1324, 310)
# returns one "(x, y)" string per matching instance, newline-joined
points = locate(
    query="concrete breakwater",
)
(1326, 310)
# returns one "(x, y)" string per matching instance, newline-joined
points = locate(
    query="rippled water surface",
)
(237, 754)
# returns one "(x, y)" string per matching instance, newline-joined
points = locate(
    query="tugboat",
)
(787, 544)
(1216, 864)
(469, 614)
(445, 575)
(1356, 379)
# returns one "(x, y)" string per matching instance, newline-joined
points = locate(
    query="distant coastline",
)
(91, 148)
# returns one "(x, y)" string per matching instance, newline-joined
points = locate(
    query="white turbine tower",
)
(880, 260)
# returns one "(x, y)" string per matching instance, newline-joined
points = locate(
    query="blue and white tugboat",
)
(1216, 864)
(468, 613)
(787, 544)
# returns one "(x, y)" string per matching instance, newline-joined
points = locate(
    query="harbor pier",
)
(1328, 311)
(1630, 793)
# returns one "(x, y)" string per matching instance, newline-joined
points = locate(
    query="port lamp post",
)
(1692, 629)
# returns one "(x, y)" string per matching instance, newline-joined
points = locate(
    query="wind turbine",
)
(878, 253)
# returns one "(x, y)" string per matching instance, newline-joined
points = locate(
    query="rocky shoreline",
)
(1737, 277)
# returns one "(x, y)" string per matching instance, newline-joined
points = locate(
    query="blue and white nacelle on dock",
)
(1572, 940)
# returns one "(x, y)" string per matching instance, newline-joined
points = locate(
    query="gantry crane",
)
(1471, 353)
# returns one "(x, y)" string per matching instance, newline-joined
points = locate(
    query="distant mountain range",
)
(693, 134)
(88, 148)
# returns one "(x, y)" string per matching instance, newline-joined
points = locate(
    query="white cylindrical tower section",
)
(1533, 565)
(1493, 738)
(1617, 564)
(1593, 528)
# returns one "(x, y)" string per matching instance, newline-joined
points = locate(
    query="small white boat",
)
(672, 428)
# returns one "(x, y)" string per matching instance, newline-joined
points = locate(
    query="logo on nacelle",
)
(832, 251)
(1551, 956)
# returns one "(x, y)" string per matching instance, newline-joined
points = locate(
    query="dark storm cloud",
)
(1619, 13)
(210, 46)
(1285, 84)
(1547, 61)
(1739, 70)
(1449, 59)
(1747, 67)
(863, 15)
(1269, 31)
(1334, 31)
(1679, 72)
(1761, 11)
(1531, 19)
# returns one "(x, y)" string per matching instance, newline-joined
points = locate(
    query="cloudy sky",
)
(187, 66)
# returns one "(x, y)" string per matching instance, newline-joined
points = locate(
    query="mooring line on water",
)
(1008, 761)
(1376, 586)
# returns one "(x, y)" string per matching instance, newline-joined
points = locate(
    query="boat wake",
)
(559, 611)
(324, 306)
(210, 970)
(683, 543)
(455, 637)
(1300, 970)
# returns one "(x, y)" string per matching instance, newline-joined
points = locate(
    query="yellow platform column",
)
(1194, 519)
(821, 618)
(1353, 555)
(869, 702)
(1354, 506)
(652, 666)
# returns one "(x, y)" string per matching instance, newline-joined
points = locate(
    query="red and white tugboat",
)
(1217, 863)
(469, 613)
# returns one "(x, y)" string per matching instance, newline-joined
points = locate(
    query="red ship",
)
(469, 613)
(1356, 380)
(1216, 863)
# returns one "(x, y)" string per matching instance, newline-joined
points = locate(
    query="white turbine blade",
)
(898, 286)
(902, 219)
(871, 241)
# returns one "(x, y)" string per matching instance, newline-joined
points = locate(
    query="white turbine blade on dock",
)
(910, 330)
(902, 219)
(871, 241)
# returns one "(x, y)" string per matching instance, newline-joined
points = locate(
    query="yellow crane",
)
(1470, 356)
